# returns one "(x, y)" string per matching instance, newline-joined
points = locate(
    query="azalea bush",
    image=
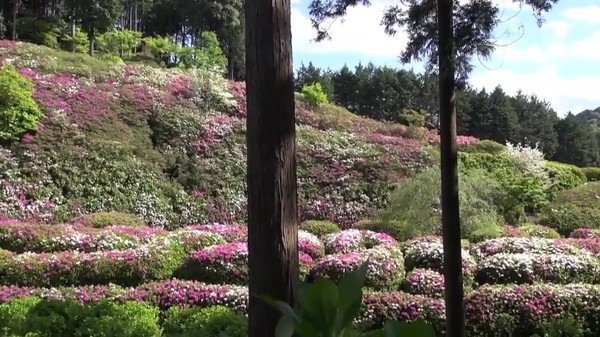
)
(520, 245)
(531, 267)
(354, 240)
(385, 269)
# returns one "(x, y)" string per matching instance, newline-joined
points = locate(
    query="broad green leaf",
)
(415, 329)
(320, 303)
(283, 307)
(285, 327)
(350, 288)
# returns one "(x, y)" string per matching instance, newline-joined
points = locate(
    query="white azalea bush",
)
(352, 240)
(385, 270)
(310, 244)
(515, 245)
(522, 268)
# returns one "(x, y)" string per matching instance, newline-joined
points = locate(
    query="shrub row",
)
(491, 310)
(32, 316)
(517, 245)
(354, 239)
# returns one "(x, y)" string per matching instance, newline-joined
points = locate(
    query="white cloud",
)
(359, 32)
(558, 27)
(564, 94)
(587, 48)
(589, 14)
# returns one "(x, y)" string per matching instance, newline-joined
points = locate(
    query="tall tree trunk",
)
(14, 19)
(271, 167)
(455, 321)
(73, 31)
(92, 38)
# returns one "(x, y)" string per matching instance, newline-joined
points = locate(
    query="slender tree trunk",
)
(14, 19)
(271, 177)
(92, 38)
(73, 31)
(455, 322)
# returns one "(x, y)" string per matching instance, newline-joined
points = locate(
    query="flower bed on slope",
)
(20, 238)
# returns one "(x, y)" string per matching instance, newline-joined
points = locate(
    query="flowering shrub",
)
(354, 240)
(585, 233)
(516, 245)
(429, 254)
(192, 240)
(425, 282)
(126, 267)
(310, 244)
(530, 267)
(386, 267)
(103, 219)
(226, 264)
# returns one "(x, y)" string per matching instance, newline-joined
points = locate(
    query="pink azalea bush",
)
(535, 267)
(226, 264)
(354, 239)
(585, 233)
(425, 282)
(193, 240)
(310, 244)
(385, 270)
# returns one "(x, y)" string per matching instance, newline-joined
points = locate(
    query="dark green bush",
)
(485, 146)
(591, 173)
(397, 229)
(566, 218)
(19, 113)
(32, 316)
(105, 219)
(320, 227)
(204, 322)
(563, 177)
(415, 207)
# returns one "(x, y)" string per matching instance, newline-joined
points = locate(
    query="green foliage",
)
(414, 208)
(77, 43)
(320, 228)
(398, 229)
(121, 42)
(562, 327)
(204, 322)
(31, 316)
(19, 113)
(577, 143)
(530, 229)
(592, 173)
(575, 208)
(105, 219)
(314, 94)
(40, 31)
(112, 58)
(485, 146)
(563, 177)
(328, 309)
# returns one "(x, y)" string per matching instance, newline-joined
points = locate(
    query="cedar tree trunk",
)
(455, 323)
(271, 168)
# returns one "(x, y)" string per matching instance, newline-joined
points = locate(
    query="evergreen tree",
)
(577, 142)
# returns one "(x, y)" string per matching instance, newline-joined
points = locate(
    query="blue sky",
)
(559, 62)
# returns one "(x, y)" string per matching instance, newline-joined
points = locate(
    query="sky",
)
(559, 62)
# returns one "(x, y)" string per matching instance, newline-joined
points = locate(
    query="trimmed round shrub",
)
(310, 244)
(385, 270)
(425, 282)
(429, 254)
(585, 233)
(591, 173)
(396, 229)
(320, 228)
(231, 233)
(533, 230)
(591, 245)
(105, 219)
(563, 177)
(354, 240)
(485, 146)
(530, 268)
(520, 245)
(226, 264)
(129, 319)
(19, 113)
(204, 322)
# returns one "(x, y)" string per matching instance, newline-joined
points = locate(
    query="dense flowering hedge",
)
(515, 245)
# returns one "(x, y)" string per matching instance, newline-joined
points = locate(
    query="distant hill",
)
(590, 116)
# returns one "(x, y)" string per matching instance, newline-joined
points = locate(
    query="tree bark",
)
(271, 167)
(455, 323)
(92, 39)
(14, 19)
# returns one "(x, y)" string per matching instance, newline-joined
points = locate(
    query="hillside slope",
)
(168, 145)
